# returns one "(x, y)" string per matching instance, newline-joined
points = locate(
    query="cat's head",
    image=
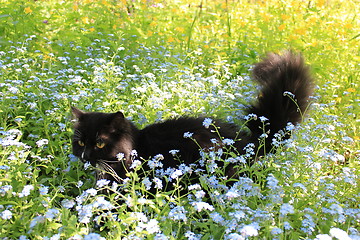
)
(101, 136)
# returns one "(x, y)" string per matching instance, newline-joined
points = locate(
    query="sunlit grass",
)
(154, 60)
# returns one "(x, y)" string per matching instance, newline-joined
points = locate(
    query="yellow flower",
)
(351, 90)
(28, 10)
(85, 20)
(266, 16)
(153, 24)
(180, 29)
(348, 25)
(92, 29)
(75, 7)
(300, 31)
(293, 38)
(284, 16)
(320, 3)
(282, 27)
(171, 39)
(104, 2)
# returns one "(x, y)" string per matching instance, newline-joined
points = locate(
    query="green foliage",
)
(159, 59)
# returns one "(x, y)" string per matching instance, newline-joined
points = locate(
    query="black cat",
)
(108, 139)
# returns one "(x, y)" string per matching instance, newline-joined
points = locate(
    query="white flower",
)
(263, 119)
(158, 183)
(102, 182)
(339, 234)
(234, 236)
(249, 231)
(173, 152)
(79, 184)
(120, 156)
(91, 191)
(289, 94)
(323, 237)
(199, 206)
(135, 164)
(228, 141)
(87, 165)
(152, 226)
(195, 186)
(6, 215)
(26, 191)
(102, 204)
(177, 173)
(42, 142)
(133, 153)
(66, 203)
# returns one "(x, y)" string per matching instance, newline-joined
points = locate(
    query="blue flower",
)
(192, 236)
(276, 231)
(178, 213)
(66, 203)
(234, 236)
(286, 208)
(147, 183)
(160, 236)
(207, 122)
(44, 190)
(93, 236)
(26, 191)
(217, 218)
(52, 213)
(188, 135)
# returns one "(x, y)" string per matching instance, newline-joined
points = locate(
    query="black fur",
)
(276, 74)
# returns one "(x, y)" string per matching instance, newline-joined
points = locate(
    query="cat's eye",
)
(81, 143)
(100, 144)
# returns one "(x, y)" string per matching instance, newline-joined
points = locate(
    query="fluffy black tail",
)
(286, 85)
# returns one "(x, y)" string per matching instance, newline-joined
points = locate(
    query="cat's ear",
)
(119, 115)
(76, 113)
(117, 119)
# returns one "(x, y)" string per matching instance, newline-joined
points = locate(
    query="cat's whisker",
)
(110, 161)
(106, 168)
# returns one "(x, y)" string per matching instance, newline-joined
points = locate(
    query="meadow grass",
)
(159, 59)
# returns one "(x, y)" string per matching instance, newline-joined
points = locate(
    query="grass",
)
(159, 59)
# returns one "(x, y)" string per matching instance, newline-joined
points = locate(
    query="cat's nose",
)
(85, 156)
